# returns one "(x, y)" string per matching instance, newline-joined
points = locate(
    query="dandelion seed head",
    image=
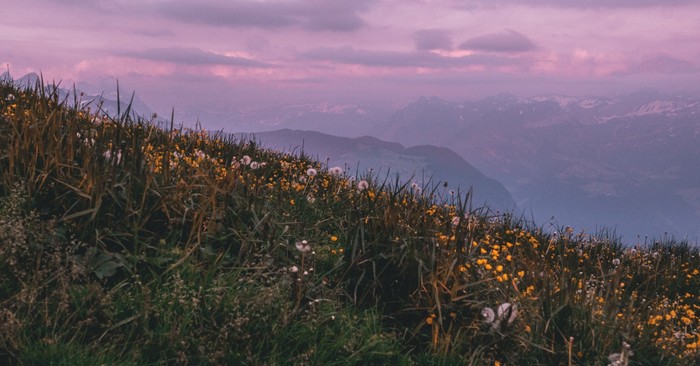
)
(362, 185)
(303, 246)
(415, 188)
(335, 171)
(488, 315)
(246, 160)
(507, 312)
(311, 172)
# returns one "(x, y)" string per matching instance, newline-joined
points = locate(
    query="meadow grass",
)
(125, 241)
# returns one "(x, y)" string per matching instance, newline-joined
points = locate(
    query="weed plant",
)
(124, 240)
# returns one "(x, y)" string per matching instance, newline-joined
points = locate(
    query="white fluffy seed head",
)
(335, 171)
(487, 315)
(507, 312)
(303, 246)
(362, 185)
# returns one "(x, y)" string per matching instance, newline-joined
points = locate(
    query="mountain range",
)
(628, 163)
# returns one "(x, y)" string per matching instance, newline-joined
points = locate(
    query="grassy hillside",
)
(124, 242)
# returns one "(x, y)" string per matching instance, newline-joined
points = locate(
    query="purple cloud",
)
(508, 41)
(432, 39)
(314, 15)
(193, 56)
(590, 3)
(353, 56)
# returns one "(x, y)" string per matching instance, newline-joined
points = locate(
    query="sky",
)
(219, 54)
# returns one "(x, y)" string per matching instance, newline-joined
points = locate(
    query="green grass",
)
(127, 242)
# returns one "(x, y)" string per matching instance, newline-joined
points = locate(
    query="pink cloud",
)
(577, 63)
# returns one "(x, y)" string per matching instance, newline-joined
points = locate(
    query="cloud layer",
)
(271, 51)
(432, 39)
(592, 3)
(316, 15)
(508, 41)
(193, 56)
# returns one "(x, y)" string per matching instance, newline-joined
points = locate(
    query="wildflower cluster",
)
(674, 326)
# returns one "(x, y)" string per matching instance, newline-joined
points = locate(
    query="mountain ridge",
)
(419, 164)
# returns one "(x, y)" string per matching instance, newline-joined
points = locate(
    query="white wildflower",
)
(335, 171)
(246, 160)
(616, 262)
(311, 172)
(362, 185)
(254, 165)
(303, 246)
(487, 315)
(507, 312)
(294, 269)
(415, 188)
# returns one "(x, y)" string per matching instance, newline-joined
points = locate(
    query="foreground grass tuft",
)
(123, 241)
